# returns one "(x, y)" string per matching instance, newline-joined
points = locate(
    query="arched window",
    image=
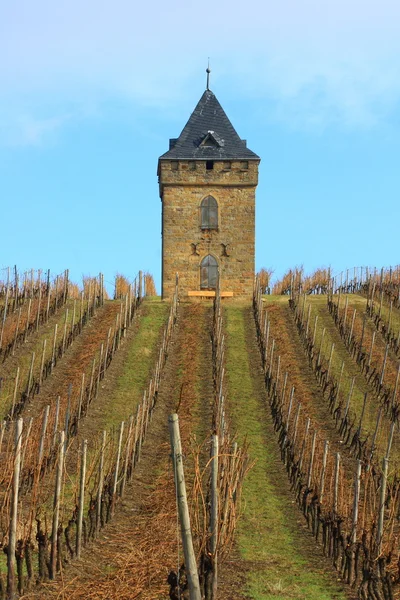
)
(208, 273)
(209, 213)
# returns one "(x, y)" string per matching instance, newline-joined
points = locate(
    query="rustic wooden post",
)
(5, 307)
(42, 362)
(16, 331)
(81, 501)
(356, 500)
(379, 532)
(127, 455)
(81, 397)
(323, 469)
(121, 433)
(336, 484)
(390, 439)
(310, 468)
(183, 509)
(11, 562)
(28, 316)
(330, 361)
(384, 365)
(214, 513)
(65, 331)
(39, 305)
(15, 393)
(53, 354)
(56, 416)
(28, 389)
(43, 434)
(101, 482)
(56, 506)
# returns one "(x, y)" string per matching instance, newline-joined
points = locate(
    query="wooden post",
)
(310, 468)
(121, 433)
(53, 354)
(183, 509)
(5, 307)
(379, 532)
(15, 393)
(39, 305)
(214, 520)
(101, 482)
(323, 469)
(357, 482)
(81, 501)
(43, 434)
(16, 331)
(140, 285)
(28, 316)
(65, 331)
(336, 484)
(11, 562)
(127, 455)
(28, 389)
(56, 416)
(56, 506)
(42, 362)
(81, 398)
(390, 440)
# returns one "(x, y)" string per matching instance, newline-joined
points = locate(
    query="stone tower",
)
(208, 180)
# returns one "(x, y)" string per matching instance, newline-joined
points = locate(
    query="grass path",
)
(277, 553)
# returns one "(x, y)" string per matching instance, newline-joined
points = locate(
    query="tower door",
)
(208, 273)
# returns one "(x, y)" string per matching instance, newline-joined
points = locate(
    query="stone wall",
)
(185, 244)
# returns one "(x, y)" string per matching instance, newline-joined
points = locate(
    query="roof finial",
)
(208, 71)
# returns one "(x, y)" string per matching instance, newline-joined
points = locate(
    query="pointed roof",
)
(208, 135)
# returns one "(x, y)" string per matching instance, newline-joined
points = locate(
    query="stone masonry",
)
(183, 185)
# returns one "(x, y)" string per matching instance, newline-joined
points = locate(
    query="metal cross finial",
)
(208, 71)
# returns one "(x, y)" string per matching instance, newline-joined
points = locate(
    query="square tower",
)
(208, 180)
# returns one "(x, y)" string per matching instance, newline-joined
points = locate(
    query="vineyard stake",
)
(186, 533)
(81, 502)
(27, 319)
(39, 305)
(5, 307)
(379, 532)
(53, 354)
(56, 420)
(43, 434)
(336, 486)
(101, 482)
(390, 440)
(56, 506)
(16, 331)
(15, 393)
(214, 513)
(42, 362)
(28, 390)
(11, 562)
(322, 480)
(127, 455)
(121, 433)
(310, 469)
(356, 500)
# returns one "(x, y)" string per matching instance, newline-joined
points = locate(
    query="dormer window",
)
(211, 140)
(209, 213)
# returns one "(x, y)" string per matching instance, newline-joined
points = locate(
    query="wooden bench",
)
(208, 294)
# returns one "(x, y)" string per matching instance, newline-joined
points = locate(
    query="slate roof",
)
(209, 135)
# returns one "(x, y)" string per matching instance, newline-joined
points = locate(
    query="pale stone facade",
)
(184, 184)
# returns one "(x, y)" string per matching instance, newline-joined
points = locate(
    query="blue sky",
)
(90, 93)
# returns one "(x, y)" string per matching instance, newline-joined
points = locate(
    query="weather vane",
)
(208, 71)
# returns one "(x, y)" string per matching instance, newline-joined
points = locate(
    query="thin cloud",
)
(319, 64)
